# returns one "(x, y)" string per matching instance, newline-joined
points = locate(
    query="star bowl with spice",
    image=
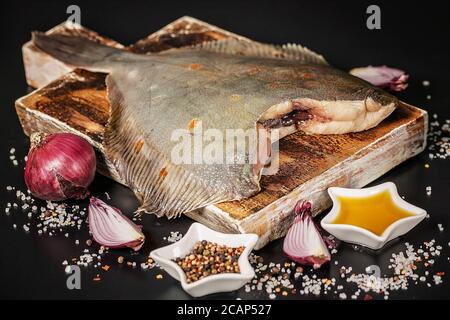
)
(206, 261)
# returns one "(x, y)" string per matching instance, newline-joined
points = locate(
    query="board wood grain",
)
(308, 164)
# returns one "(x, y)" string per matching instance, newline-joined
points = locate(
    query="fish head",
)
(324, 100)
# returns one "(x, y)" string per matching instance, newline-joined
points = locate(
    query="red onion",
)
(110, 228)
(59, 166)
(383, 77)
(304, 243)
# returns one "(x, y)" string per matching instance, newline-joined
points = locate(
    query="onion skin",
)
(110, 228)
(304, 243)
(59, 166)
(383, 77)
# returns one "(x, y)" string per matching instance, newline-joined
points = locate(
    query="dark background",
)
(413, 37)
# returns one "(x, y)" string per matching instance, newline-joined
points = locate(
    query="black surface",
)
(412, 37)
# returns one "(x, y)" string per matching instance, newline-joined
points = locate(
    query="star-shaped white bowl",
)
(357, 235)
(223, 282)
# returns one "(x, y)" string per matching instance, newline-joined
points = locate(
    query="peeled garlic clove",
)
(110, 228)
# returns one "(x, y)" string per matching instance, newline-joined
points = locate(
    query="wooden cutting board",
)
(76, 101)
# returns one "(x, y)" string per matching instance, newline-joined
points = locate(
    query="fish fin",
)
(252, 48)
(298, 52)
(74, 50)
(161, 187)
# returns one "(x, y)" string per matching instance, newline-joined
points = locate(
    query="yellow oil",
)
(374, 213)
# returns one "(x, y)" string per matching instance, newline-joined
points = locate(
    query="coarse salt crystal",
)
(342, 295)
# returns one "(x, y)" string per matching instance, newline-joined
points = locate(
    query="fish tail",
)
(75, 51)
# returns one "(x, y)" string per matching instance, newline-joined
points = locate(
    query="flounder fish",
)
(158, 100)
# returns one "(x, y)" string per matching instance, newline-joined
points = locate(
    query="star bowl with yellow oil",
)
(370, 217)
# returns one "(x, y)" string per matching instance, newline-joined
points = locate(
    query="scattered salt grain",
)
(437, 279)
(144, 266)
(85, 259)
(439, 139)
(174, 236)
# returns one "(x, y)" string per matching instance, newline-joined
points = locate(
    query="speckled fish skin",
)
(153, 95)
